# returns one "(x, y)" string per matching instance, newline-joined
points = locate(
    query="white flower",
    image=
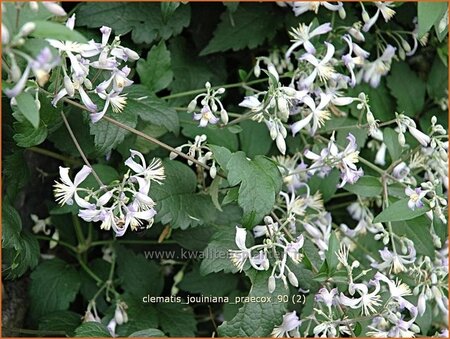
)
(329, 298)
(66, 190)
(239, 257)
(300, 7)
(373, 71)
(289, 326)
(316, 117)
(154, 171)
(384, 9)
(394, 261)
(40, 224)
(206, 116)
(419, 136)
(114, 99)
(302, 35)
(367, 301)
(322, 68)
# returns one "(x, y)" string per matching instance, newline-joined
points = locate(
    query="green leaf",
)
(257, 319)
(143, 103)
(61, 321)
(216, 284)
(106, 135)
(221, 154)
(390, 138)
(194, 239)
(54, 285)
(140, 315)
(92, 330)
(139, 276)
(260, 181)
(27, 106)
(255, 138)
(429, 14)
(145, 21)
(215, 136)
(53, 30)
(327, 186)
(437, 79)
(331, 256)
(417, 230)
(366, 186)
(147, 333)
(247, 27)
(28, 136)
(177, 202)
(407, 88)
(16, 173)
(11, 227)
(177, 320)
(155, 72)
(398, 211)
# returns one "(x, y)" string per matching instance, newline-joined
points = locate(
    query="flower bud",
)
(257, 70)
(283, 108)
(34, 6)
(289, 91)
(213, 107)
(365, 15)
(293, 279)
(415, 328)
(416, 290)
(27, 28)
(88, 84)
(401, 139)
(15, 72)
(281, 143)
(342, 13)
(224, 116)
(191, 106)
(433, 120)
(221, 90)
(68, 85)
(54, 8)
(213, 171)
(406, 46)
(5, 35)
(208, 85)
(271, 284)
(401, 53)
(38, 103)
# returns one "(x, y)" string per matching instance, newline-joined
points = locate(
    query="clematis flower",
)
(300, 7)
(383, 7)
(66, 190)
(373, 71)
(239, 257)
(352, 61)
(113, 99)
(302, 35)
(289, 326)
(206, 117)
(367, 301)
(415, 197)
(329, 298)
(322, 68)
(316, 117)
(154, 171)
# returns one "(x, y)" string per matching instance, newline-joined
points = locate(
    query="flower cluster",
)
(210, 103)
(122, 204)
(106, 59)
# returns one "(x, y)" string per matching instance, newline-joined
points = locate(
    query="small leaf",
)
(53, 30)
(331, 256)
(155, 72)
(390, 138)
(64, 321)
(147, 333)
(366, 186)
(27, 106)
(398, 211)
(92, 330)
(417, 230)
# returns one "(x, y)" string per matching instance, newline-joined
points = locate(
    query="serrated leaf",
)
(177, 320)
(407, 88)
(140, 315)
(194, 239)
(27, 106)
(144, 20)
(398, 211)
(366, 186)
(176, 200)
(155, 72)
(11, 227)
(390, 138)
(437, 79)
(53, 30)
(255, 138)
(147, 333)
(28, 136)
(257, 319)
(429, 13)
(247, 27)
(92, 330)
(260, 181)
(60, 321)
(54, 285)
(16, 173)
(139, 276)
(143, 103)
(106, 135)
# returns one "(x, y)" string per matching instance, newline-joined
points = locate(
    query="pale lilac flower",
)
(329, 298)
(154, 171)
(113, 98)
(373, 71)
(293, 248)
(66, 190)
(415, 197)
(302, 35)
(395, 261)
(352, 61)
(289, 326)
(367, 301)
(349, 172)
(316, 117)
(383, 7)
(206, 116)
(300, 7)
(239, 257)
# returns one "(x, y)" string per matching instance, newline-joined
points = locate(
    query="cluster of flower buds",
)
(211, 104)
(106, 59)
(121, 204)
(198, 150)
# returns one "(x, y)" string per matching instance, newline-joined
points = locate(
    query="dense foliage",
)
(227, 169)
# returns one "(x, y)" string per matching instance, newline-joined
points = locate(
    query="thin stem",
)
(77, 145)
(59, 242)
(53, 155)
(78, 231)
(88, 270)
(136, 242)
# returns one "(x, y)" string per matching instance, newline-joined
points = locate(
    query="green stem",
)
(59, 242)
(53, 155)
(88, 270)
(78, 231)
(136, 242)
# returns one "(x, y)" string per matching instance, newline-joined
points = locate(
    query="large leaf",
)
(257, 319)
(177, 320)
(255, 138)
(155, 72)
(367, 186)
(249, 26)
(63, 321)
(398, 211)
(54, 285)
(260, 181)
(407, 88)
(429, 14)
(176, 200)
(417, 230)
(54, 30)
(27, 106)
(143, 103)
(144, 20)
